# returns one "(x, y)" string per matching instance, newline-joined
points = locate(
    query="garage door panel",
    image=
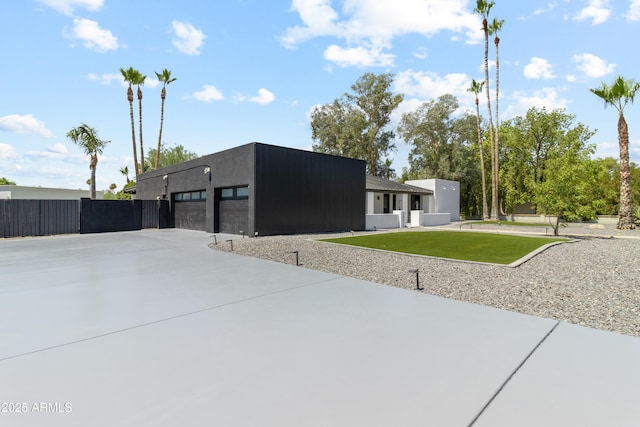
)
(234, 216)
(191, 215)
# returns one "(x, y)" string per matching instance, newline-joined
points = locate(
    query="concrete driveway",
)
(152, 328)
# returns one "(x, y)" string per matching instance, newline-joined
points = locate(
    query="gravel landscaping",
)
(593, 281)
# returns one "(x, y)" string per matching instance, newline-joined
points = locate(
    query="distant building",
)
(19, 192)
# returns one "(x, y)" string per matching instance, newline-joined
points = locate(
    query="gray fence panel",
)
(150, 214)
(59, 217)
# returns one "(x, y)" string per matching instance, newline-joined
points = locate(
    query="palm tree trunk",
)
(625, 214)
(133, 133)
(494, 172)
(485, 212)
(496, 166)
(93, 165)
(162, 96)
(141, 146)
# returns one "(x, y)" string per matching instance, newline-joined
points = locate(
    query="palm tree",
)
(139, 81)
(129, 77)
(617, 95)
(125, 171)
(483, 7)
(494, 27)
(476, 88)
(165, 78)
(86, 138)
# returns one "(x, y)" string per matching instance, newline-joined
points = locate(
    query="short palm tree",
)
(125, 172)
(618, 95)
(483, 7)
(476, 88)
(129, 77)
(165, 78)
(86, 138)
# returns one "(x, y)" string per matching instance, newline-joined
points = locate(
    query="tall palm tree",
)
(617, 95)
(165, 78)
(139, 81)
(129, 77)
(476, 88)
(483, 7)
(494, 28)
(86, 138)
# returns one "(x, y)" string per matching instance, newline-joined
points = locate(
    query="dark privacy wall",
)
(305, 192)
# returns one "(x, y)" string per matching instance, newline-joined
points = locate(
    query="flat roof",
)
(378, 184)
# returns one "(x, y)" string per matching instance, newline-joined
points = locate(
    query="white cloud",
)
(24, 124)
(67, 6)
(151, 82)
(369, 26)
(358, 56)
(208, 93)
(523, 101)
(538, 68)
(264, 97)
(188, 39)
(7, 152)
(593, 66)
(571, 78)
(634, 11)
(598, 11)
(428, 85)
(91, 36)
(58, 148)
(106, 79)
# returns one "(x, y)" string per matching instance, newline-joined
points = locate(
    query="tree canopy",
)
(169, 156)
(356, 125)
(5, 181)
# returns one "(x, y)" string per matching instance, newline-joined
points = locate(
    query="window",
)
(191, 196)
(235, 193)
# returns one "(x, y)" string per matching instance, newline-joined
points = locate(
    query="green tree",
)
(125, 172)
(483, 8)
(567, 191)
(5, 181)
(356, 125)
(529, 142)
(129, 77)
(443, 146)
(86, 138)
(476, 88)
(165, 78)
(169, 156)
(618, 95)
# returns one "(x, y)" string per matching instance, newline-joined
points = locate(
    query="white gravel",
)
(594, 281)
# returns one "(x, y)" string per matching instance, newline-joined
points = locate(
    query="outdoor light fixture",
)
(297, 257)
(165, 177)
(207, 170)
(416, 272)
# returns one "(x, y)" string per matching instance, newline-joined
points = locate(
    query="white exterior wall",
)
(446, 196)
(43, 193)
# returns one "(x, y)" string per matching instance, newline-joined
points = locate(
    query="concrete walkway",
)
(152, 328)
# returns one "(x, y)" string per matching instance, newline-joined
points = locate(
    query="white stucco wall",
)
(43, 193)
(446, 196)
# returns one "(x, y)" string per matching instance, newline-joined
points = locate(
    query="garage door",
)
(190, 210)
(233, 210)
(234, 216)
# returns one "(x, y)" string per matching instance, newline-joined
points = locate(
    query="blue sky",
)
(252, 70)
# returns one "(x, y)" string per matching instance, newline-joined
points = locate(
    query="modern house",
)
(261, 189)
(415, 203)
(19, 192)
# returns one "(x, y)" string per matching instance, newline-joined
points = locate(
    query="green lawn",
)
(481, 247)
(513, 223)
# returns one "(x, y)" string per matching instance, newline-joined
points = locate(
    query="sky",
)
(253, 70)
